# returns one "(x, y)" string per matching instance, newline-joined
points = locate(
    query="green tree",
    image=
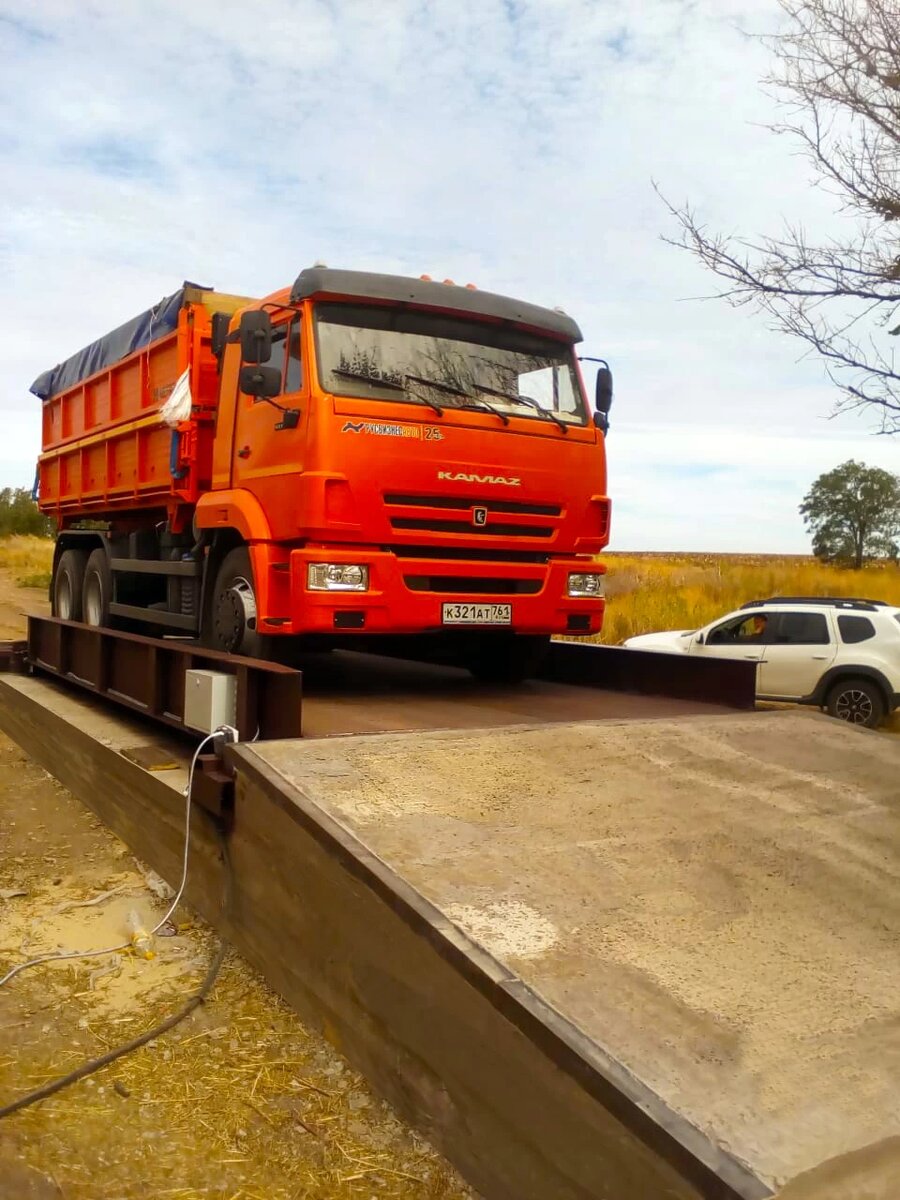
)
(853, 513)
(20, 514)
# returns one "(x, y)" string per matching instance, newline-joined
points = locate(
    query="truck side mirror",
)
(256, 337)
(604, 392)
(261, 382)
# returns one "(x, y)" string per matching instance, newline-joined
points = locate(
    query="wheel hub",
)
(235, 615)
(854, 706)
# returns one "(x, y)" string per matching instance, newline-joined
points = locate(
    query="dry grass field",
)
(648, 592)
(645, 592)
(27, 559)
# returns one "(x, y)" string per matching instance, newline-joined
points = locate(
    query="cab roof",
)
(425, 293)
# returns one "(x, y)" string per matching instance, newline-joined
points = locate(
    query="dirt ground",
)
(15, 602)
(239, 1102)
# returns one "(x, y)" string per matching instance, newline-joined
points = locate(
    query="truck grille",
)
(463, 502)
(456, 515)
(459, 585)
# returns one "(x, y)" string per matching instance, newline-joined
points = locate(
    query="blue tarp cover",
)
(113, 346)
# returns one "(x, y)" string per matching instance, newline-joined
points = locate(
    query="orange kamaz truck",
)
(355, 456)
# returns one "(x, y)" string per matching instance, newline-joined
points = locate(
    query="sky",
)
(511, 143)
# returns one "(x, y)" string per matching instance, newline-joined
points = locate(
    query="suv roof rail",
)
(831, 601)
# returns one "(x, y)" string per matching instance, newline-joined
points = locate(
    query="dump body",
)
(433, 441)
(104, 446)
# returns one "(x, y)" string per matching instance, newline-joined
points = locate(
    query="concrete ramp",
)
(672, 945)
(634, 960)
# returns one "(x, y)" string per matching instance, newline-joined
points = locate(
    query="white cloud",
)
(511, 142)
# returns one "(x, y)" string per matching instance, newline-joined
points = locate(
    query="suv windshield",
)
(374, 352)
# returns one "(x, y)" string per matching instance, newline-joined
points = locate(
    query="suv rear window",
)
(855, 629)
(802, 629)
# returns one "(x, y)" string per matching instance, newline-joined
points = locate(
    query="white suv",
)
(842, 655)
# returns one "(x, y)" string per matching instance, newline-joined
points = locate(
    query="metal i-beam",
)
(147, 675)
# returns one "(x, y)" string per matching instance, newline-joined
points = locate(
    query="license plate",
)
(477, 614)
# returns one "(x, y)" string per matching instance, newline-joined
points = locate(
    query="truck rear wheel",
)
(507, 659)
(68, 582)
(232, 610)
(96, 590)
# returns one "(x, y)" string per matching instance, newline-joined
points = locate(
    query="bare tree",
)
(838, 74)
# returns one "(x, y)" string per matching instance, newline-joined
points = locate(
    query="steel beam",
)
(727, 681)
(147, 675)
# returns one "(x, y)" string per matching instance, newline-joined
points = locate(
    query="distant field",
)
(648, 592)
(28, 559)
(645, 592)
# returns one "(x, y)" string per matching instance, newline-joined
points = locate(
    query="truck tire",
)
(858, 701)
(68, 581)
(507, 659)
(232, 609)
(97, 590)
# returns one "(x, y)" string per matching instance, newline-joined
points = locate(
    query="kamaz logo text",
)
(466, 477)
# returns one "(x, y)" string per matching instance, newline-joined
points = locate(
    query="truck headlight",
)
(337, 577)
(582, 584)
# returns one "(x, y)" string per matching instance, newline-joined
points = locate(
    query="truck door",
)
(270, 437)
(802, 648)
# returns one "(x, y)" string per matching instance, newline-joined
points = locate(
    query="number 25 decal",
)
(433, 433)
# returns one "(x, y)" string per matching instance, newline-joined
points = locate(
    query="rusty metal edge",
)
(269, 695)
(731, 682)
(14, 657)
(713, 1171)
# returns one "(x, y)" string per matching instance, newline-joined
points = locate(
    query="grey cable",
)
(95, 1064)
(66, 955)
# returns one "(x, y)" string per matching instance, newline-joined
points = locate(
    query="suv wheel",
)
(858, 701)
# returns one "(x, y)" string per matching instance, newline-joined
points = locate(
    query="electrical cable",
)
(95, 1064)
(65, 955)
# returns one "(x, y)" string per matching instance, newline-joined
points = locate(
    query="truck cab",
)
(419, 457)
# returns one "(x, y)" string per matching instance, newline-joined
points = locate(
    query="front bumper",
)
(405, 595)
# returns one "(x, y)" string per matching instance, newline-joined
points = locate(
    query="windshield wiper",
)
(484, 406)
(517, 398)
(439, 384)
(375, 380)
(394, 386)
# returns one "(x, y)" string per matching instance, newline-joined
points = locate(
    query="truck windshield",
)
(377, 353)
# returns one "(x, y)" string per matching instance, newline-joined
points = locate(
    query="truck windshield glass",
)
(374, 352)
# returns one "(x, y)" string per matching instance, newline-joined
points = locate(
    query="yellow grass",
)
(28, 559)
(649, 592)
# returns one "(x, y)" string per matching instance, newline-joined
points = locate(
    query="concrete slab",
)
(710, 902)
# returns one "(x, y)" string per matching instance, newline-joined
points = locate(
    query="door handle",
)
(821, 657)
(244, 452)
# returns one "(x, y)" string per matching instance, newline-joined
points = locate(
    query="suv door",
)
(800, 651)
(742, 635)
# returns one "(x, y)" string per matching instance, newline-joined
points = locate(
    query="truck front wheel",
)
(232, 610)
(68, 582)
(508, 659)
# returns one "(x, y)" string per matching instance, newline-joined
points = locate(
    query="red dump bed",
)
(105, 447)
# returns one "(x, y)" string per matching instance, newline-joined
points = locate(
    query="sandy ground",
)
(15, 602)
(239, 1102)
